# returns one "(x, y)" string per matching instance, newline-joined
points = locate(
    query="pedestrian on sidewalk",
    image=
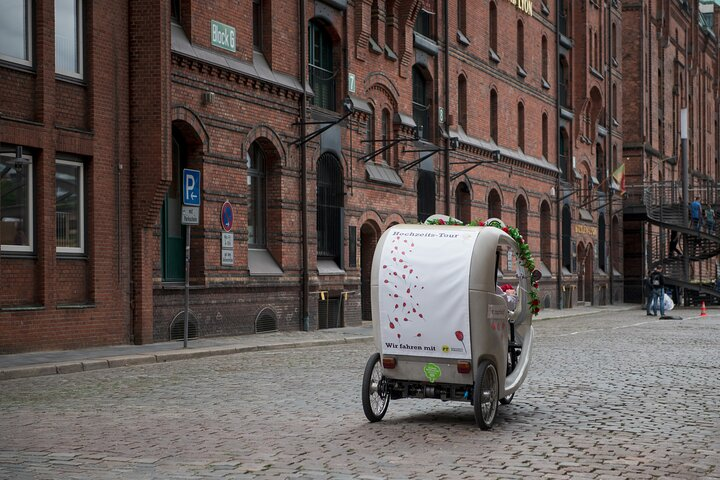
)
(695, 214)
(710, 219)
(657, 282)
(648, 292)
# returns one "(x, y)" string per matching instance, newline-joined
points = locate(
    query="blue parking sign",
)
(191, 187)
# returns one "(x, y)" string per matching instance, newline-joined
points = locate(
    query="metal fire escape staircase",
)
(665, 208)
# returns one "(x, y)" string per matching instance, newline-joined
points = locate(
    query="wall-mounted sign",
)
(228, 257)
(227, 240)
(525, 6)
(586, 229)
(223, 36)
(226, 216)
(190, 215)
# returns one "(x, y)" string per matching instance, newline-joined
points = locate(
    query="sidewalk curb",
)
(45, 369)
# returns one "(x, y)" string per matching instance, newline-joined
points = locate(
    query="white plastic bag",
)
(669, 304)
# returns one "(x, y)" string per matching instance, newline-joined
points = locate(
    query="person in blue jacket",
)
(696, 214)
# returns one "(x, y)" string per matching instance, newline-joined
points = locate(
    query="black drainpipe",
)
(558, 207)
(447, 106)
(609, 167)
(305, 325)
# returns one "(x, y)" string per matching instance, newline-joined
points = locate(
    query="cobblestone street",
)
(618, 395)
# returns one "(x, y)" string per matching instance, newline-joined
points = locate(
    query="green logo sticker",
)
(432, 372)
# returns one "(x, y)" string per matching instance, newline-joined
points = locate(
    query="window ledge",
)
(390, 54)
(566, 113)
(261, 262)
(544, 9)
(565, 41)
(374, 47)
(545, 84)
(20, 67)
(494, 56)
(22, 308)
(71, 256)
(462, 39)
(596, 74)
(425, 44)
(521, 72)
(72, 80)
(337, 4)
(19, 255)
(75, 306)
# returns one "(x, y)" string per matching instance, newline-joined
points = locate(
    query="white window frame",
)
(29, 248)
(81, 206)
(80, 33)
(28, 38)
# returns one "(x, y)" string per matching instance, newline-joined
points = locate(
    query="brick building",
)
(670, 63)
(477, 109)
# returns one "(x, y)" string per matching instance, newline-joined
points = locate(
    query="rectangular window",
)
(16, 31)
(16, 203)
(69, 207)
(68, 38)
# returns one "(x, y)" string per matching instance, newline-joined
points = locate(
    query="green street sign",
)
(223, 36)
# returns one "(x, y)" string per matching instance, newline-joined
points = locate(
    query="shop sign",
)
(586, 229)
(525, 6)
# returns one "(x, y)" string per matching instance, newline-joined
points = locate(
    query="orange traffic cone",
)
(703, 310)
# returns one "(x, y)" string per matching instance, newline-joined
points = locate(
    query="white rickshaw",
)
(442, 327)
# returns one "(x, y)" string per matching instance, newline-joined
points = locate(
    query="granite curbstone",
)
(31, 371)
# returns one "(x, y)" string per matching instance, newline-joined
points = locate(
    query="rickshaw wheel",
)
(485, 394)
(375, 397)
(508, 399)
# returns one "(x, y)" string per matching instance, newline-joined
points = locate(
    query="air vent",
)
(266, 321)
(177, 326)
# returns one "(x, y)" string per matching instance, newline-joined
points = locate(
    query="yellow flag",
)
(619, 177)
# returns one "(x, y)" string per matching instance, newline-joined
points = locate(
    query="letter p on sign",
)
(191, 187)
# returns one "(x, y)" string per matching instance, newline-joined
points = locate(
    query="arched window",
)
(425, 194)
(545, 236)
(257, 205)
(521, 126)
(493, 116)
(545, 136)
(521, 216)
(371, 145)
(329, 209)
(564, 155)
(321, 66)
(173, 233)
(601, 243)
(564, 82)
(544, 55)
(520, 44)
(566, 238)
(613, 39)
(390, 23)
(385, 127)
(374, 20)
(462, 203)
(421, 102)
(492, 19)
(462, 16)
(462, 102)
(494, 204)
(599, 162)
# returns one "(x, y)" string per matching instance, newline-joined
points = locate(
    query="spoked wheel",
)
(485, 394)
(375, 397)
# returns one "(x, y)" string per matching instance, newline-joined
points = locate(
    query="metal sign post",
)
(190, 216)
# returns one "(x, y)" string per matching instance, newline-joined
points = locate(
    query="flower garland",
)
(526, 259)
